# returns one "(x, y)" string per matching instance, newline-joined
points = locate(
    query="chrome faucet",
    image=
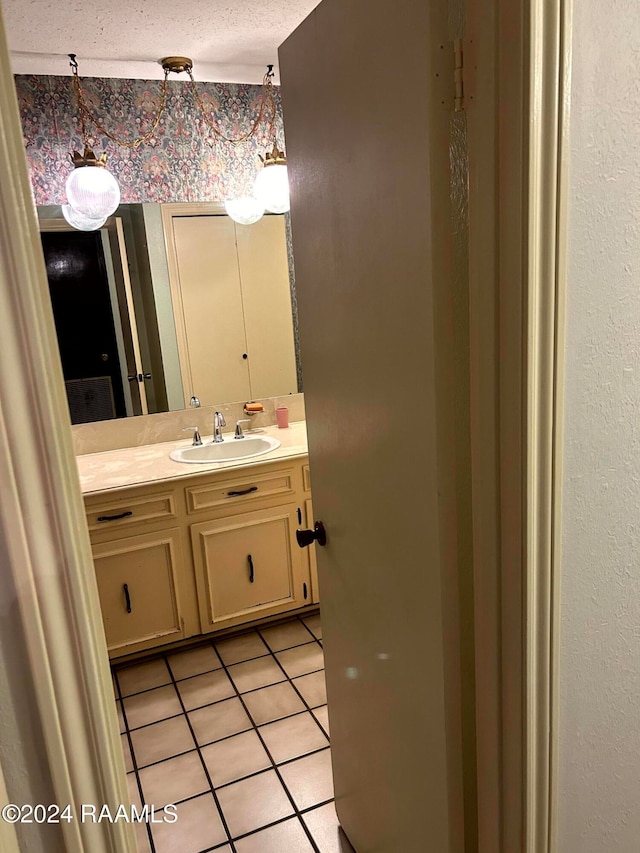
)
(239, 433)
(218, 423)
(197, 440)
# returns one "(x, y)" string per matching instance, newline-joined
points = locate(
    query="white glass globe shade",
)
(93, 191)
(246, 210)
(82, 223)
(272, 188)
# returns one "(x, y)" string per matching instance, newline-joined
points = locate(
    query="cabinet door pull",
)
(244, 492)
(127, 597)
(252, 574)
(115, 517)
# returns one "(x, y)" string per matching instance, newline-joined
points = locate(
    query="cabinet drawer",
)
(240, 490)
(138, 584)
(108, 516)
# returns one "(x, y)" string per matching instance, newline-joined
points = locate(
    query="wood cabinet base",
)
(206, 565)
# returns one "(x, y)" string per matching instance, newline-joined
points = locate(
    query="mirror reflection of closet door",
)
(134, 375)
(208, 309)
(266, 297)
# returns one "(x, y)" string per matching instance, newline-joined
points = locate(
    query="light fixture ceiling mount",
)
(177, 64)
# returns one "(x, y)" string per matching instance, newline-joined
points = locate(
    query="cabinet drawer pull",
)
(115, 517)
(127, 597)
(244, 492)
(252, 574)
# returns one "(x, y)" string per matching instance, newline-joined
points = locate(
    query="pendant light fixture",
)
(92, 191)
(272, 184)
(245, 210)
(82, 223)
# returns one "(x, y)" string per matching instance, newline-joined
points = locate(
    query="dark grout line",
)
(275, 823)
(162, 760)
(218, 701)
(217, 847)
(275, 766)
(135, 764)
(298, 813)
(308, 628)
(269, 769)
(302, 699)
(205, 768)
(161, 720)
(317, 806)
(269, 653)
(235, 734)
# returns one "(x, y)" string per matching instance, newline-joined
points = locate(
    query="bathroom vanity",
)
(187, 549)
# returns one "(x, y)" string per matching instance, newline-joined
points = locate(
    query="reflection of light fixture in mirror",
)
(82, 223)
(272, 185)
(245, 210)
(91, 189)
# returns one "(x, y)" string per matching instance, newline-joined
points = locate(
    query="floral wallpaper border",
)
(183, 161)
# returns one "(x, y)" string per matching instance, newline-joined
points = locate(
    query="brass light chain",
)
(267, 103)
(87, 116)
(267, 100)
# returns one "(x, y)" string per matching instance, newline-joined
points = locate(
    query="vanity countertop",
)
(150, 463)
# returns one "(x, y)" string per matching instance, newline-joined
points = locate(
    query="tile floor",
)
(235, 733)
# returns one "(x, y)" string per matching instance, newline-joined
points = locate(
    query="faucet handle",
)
(239, 433)
(197, 440)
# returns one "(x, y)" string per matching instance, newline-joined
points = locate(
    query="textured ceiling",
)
(228, 40)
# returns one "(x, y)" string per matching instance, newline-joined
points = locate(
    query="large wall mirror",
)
(169, 302)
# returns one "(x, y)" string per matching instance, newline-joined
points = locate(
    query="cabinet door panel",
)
(247, 564)
(149, 566)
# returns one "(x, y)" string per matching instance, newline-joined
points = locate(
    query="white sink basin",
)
(229, 450)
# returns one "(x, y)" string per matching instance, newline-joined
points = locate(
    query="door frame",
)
(43, 521)
(517, 215)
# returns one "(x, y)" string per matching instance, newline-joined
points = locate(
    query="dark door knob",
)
(306, 537)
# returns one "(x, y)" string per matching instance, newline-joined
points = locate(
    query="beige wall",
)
(599, 726)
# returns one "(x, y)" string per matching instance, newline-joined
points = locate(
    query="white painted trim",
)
(117, 320)
(42, 515)
(566, 14)
(550, 62)
(128, 308)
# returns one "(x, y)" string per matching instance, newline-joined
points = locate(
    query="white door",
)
(368, 96)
